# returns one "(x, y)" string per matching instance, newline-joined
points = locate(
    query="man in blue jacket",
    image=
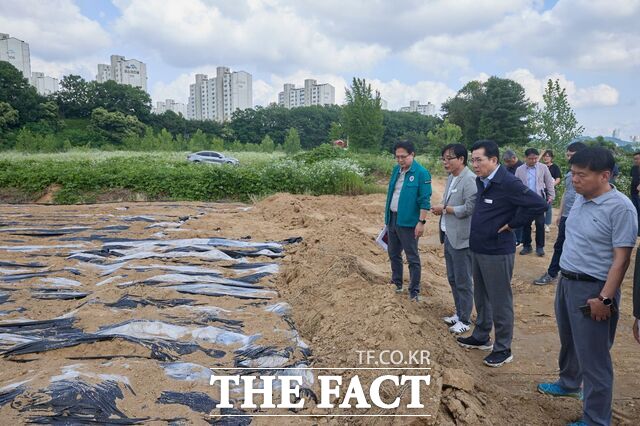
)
(408, 201)
(503, 203)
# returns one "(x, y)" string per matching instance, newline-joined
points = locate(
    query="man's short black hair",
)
(636, 153)
(530, 151)
(407, 145)
(576, 146)
(548, 152)
(595, 158)
(490, 148)
(458, 149)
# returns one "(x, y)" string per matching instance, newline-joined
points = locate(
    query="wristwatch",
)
(422, 221)
(605, 300)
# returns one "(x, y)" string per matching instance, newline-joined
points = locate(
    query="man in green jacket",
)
(408, 201)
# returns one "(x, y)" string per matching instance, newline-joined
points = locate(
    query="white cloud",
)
(194, 32)
(84, 67)
(579, 97)
(55, 30)
(398, 94)
(400, 24)
(177, 89)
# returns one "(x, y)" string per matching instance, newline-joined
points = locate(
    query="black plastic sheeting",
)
(197, 401)
(22, 265)
(59, 333)
(11, 393)
(58, 294)
(131, 302)
(75, 402)
(230, 421)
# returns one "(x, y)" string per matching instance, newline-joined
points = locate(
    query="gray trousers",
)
(402, 238)
(493, 297)
(459, 276)
(584, 348)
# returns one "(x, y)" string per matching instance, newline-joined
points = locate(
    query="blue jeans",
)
(554, 266)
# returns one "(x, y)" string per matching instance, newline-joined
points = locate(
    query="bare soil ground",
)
(336, 281)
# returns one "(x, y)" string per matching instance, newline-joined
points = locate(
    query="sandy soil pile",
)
(336, 281)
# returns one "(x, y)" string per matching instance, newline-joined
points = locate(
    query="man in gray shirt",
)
(565, 207)
(601, 232)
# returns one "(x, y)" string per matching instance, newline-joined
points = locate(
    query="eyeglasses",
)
(402, 157)
(477, 160)
(448, 158)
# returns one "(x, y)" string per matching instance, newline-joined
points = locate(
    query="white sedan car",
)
(212, 157)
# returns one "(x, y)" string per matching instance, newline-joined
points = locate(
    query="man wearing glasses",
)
(503, 203)
(458, 202)
(408, 201)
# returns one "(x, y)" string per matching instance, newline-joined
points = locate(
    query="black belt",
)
(578, 277)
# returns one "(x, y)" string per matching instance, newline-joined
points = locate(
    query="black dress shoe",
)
(526, 250)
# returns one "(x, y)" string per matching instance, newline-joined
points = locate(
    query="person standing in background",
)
(538, 179)
(568, 198)
(511, 163)
(635, 183)
(556, 174)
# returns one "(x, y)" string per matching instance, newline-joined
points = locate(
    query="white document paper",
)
(383, 238)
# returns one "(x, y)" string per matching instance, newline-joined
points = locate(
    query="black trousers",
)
(554, 266)
(526, 232)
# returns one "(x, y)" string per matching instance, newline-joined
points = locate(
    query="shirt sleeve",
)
(469, 189)
(424, 191)
(528, 202)
(624, 223)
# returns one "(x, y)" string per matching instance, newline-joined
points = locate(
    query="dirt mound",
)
(337, 280)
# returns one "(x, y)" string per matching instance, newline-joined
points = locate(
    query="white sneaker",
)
(459, 327)
(451, 320)
(547, 228)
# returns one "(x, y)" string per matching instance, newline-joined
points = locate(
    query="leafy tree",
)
(506, 113)
(73, 98)
(292, 142)
(555, 123)
(406, 125)
(115, 126)
(198, 141)
(8, 116)
(122, 98)
(336, 132)
(496, 109)
(28, 141)
(362, 117)
(50, 117)
(16, 91)
(217, 144)
(236, 146)
(267, 144)
(465, 109)
(443, 135)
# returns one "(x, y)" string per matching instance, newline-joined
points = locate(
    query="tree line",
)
(114, 116)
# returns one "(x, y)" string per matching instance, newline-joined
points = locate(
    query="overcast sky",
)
(412, 49)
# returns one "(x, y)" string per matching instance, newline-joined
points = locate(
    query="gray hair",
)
(509, 155)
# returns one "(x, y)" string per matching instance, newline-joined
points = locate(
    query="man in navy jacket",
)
(503, 204)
